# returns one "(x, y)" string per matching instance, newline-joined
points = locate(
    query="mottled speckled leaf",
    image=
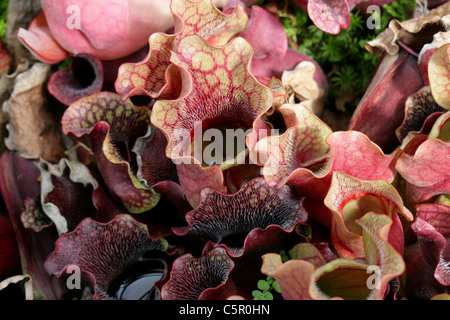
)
(439, 76)
(113, 127)
(417, 108)
(201, 278)
(150, 75)
(33, 216)
(301, 146)
(218, 90)
(102, 251)
(238, 220)
(201, 18)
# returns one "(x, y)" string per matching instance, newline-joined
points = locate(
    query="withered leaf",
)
(20, 15)
(414, 33)
(302, 86)
(33, 131)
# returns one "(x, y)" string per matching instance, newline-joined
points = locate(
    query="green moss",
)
(343, 57)
(3, 18)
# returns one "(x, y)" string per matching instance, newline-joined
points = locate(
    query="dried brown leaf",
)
(33, 131)
(20, 15)
(414, 33)
(302, 87)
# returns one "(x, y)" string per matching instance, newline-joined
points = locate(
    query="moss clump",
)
(348, 65)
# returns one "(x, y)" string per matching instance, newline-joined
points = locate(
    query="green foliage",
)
(266, 289)
(343, 57)
(3, 18)
(284, 256)
(65, 63)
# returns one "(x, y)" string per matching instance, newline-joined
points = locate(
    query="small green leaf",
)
(267, 296)
(263, 285)
(284, 256)
(276, 287)
(65, 63)
(256, 294)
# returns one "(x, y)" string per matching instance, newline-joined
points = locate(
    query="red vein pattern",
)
(152, 75)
